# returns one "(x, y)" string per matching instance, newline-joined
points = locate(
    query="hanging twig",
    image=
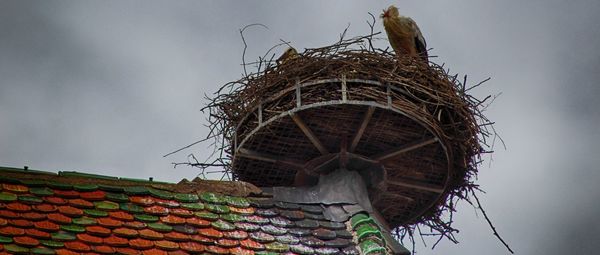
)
(490, 223)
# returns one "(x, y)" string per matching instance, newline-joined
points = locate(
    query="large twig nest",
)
(358, 107)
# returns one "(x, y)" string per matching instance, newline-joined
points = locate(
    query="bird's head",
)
(391, 12)
(291, 51)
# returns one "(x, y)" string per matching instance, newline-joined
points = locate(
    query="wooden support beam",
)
(388, 94)
(309, 134)
(298, 93)
(260, 111)
(415, 186)
(344, 89)
(403, 149)
(361, 129)
(242, 152)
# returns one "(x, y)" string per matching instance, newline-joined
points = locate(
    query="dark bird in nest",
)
(404, 34)
(287, 55)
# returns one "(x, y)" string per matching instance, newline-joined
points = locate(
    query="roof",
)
(72, 213)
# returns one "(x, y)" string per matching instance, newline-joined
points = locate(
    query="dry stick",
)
(190, 145)
(371, 26)
(490, 224)
(246, 45)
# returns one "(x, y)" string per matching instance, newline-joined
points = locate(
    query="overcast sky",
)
(109, 87)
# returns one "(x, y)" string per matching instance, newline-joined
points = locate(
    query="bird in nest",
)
(404, 34)
(289, 54)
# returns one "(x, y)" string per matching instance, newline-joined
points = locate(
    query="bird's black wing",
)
(420, 43)
(421, 48)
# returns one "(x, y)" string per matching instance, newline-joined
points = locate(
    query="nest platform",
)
(407, 124)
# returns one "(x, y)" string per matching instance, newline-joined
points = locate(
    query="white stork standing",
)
(404, 34)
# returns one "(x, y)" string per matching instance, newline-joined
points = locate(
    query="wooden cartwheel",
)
(355, 122)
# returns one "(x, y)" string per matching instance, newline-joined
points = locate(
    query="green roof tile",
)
(369, 247)
(44, 251)
(13, 248)
(132, 208)
(5, 239)
(163, 194)
(86, 175)
(266, 253)
(214, 198)
(7, 197)
(193, 206)
(33, 183)
(73, 228)
(110, 188)
(277, 247)
(137, 190)
(95, 213)
(117, 197)
(237, 201)
(207, 215)
(85, 187)
(62, 236)
(160, 227)
(106, 205)
(360, 218)
(222, 225)
(145, 217)
(59, 185)
(28, 199)
(41, 191)
(232, 217)
(220, 209)
(367, 229)
(186, 198)
(52, 243)
(85, 221)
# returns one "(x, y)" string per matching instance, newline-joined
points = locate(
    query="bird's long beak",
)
(385, 14)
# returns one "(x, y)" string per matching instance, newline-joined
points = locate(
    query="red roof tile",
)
(89, 239)
(125, 232)
(141, 244)
(18, 207)
(93, 196)
(59, 218)
(66, 193)
(116, 241)
(20, 223)
(109, 222)
(77, 246)
(128, 251)
(80, 203)
(70, 211)
(33, 216)
(47, 226)
(104, 249)
(166, 245)
(154, 252)
(192, 247)
(36, 233)
(26, 241)
(98, 230)
(6, 214)
(55, 200)
(120, 215)
(11, 231)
